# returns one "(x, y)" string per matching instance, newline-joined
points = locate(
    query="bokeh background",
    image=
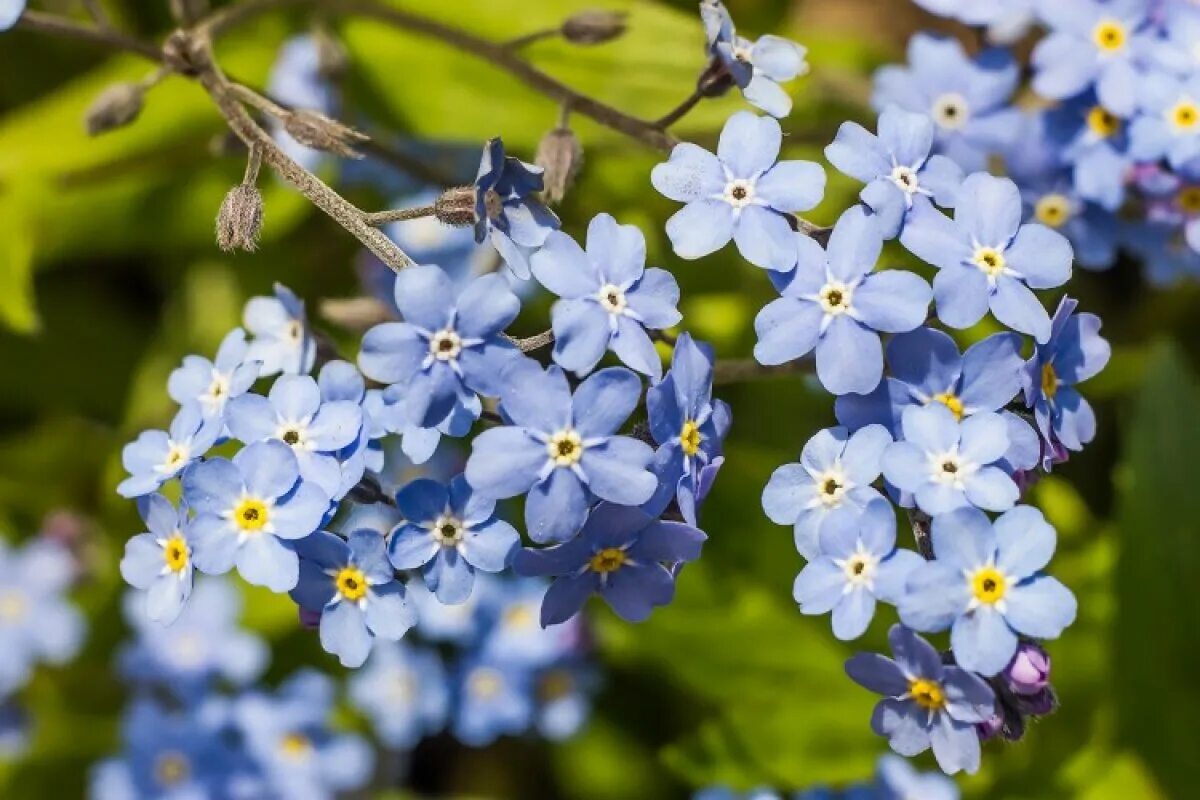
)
(109, 275)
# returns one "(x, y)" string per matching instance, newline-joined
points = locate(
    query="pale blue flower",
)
(283, 341)
(160, 561)
(156, 457)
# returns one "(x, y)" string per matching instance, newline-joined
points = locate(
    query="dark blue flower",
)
(609, 298)
(622, 554)
(506, 209)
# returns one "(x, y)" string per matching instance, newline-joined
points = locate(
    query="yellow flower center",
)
(989, 585)
(251, 515)
(690, 438)
(565, 448)
(519, 615)
(1110, 36)
(608, 560)
(1103, 122)
(485, 682)
(950, 401)
(13, 606)
(351, 583)
(175, 553)
(927, 694)
(1049, 381)
(1188, 200)
(1053, 210)
(296, 746)
(171, 769)
(555, 684)
(177, 454)
(295, 331)
(1184, 115)
(990, 260)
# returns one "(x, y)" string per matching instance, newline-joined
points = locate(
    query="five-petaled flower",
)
(156, 457)
(160, 560)
(211, 384)
(756, 67)
(282, 340)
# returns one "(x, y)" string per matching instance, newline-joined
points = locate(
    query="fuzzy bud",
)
(560, 154)
(115, 107)
(593, 27)
(314, 129)
(456, 206)
(240, 219)
(1029, 671)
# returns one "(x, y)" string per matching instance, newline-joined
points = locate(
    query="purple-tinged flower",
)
(1169, 125)
(968, 99)
(947, 464)
(987, 586)
(160, 561)
(690, 428)
(897, 779)
(741, 193)
(926, 702)
(282, 340)
(506, 210)
(562, 449)
(859, 564)
(1074, 352)
(834, 303)
(896, 166)
(756, 67)
(10, 13)
(987, 259)
(449, 346)
(1028, 673)
(1172, 199)
(1091, 43)
(623, 554)
(156, 457)
(609, 298)
(249, 510)
(449, 532)
(834, 476)
(210, 384)
(353, 586)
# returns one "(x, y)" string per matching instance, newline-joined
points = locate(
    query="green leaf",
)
(1158, 608)
(17, 309)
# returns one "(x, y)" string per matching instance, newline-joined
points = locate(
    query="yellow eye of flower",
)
(251, 515)
(690, 438)
(296, 746)
(1110, 36)
(989, 585)
(13, 606)
(565, 448)
(351, 583)
(1053, 210)
(485, 682)
(950, 401)
(608, 560)
(175, 553)
(171, 769)
(990, 260)
(1188, 200)
(927, 694)
(1049, 381)
(1103, 122)
(1184, 115)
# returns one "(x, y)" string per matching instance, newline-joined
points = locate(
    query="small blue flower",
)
(1095, 143)
(403, 691)
(515, 634)
(967, 99)
(690, 428)
(160, 560)
(987, 259)
(459, 624)
(1074, 353)
(562, 449)
(295, 415)
(1169, 125)
(449, 532)
(835, 304)
(896, 166)
(211, 384)
(859, 564)
(449, 346)
(756, 67)
(926, 703)
(419, 444)
(156, 457)
(741, 194)
(609, 298)
(37, 624)
(353, 586)
(282, 340)
(341, 382)
(565, 692)
(835, 474)
(506, 209)
(948, 464)
(1091, 43)
(620, 555)
(494, 698)
(248, 510)
(10, 12)
(897, 779)
(987, 586)
(980, 12)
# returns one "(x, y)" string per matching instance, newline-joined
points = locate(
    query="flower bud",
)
(593, 27)
(560, 154)
(456, 206)
(1038, 705)
(309, 620)
(991, 727)
(314, 129)
(115, 107)
(1029, 671)
(240, 219)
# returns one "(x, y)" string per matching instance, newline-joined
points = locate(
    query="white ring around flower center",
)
(448, 531)
(832, 486)
(906, 179)
(612, 298)
(951, 469)
(836, 298)
(951, 111)
(739, 193)
(445, 345)
(565, 448)
(177, 455)
(859, 568)
(294, 435)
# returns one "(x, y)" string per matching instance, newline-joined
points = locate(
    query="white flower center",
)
(859, 568)
(612, 299)
(951, 469)
(445, 345)
(485, 682)
(294, 434)
(739, 193)
(448, 531)
(565, 448)
(835, 298)
(177, 455)
(218, 390)
(990, 261)
(951, 112)
(832, 486)
(906, 179)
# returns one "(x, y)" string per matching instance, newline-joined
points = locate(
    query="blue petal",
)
(765, 239)
(486, 307)
(849, 358)
(425, 296)
(1041, 608)
(893, 301)
(392, 352)
(345, 634)
(937, 594)
(691, 173)
(853, 614)
(787, 329)
(604, 401)
(556, 508)
(617, 471)
(1024, 542)
(792, 186)
(504, 462)
(982, 641)
(749, 144)
(263, 560)
(581, 334)
(962, 295)
(1015, 305)
(856, 152)
(563, 268)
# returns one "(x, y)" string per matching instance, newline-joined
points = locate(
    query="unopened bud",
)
(240, 219)
(1038, 705)
(1029, 671)
(593, 27)
(115, 107)
(309, 620)
(314, 129)
(332, 59)
(991, 727)
(561, 155)
(456, 206)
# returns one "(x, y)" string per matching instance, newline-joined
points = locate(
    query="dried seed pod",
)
(560, 154)
(593, 27)
(115, 107)
(456, 206)
(314, 129)
(240, 219)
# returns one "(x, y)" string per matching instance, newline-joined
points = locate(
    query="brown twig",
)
(739, 370)
(42, 22)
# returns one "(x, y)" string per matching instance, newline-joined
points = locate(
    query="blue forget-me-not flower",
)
(156, 457)
(283, 341)
(159, 561)
(506, 209)
(756, 67)
(210, 384)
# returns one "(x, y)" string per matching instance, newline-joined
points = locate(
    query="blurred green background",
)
(109, 275)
